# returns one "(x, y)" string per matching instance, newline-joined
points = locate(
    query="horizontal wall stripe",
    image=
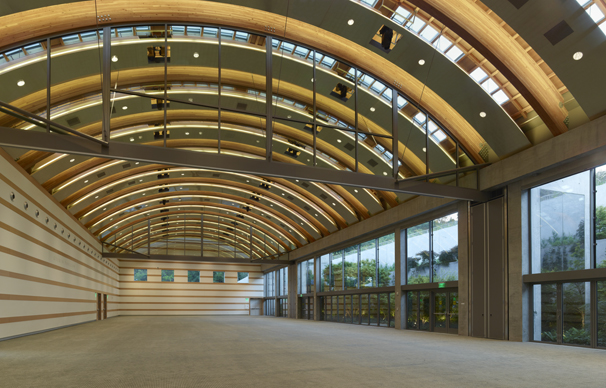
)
(56, 235)
(46, 299)
(175, 303)
(35, 183)
(184, 289)
(192, 283)
(51, 282)
(54, 250)
(187, 262)
(45, 316)
(185, 269)
(24, 256)
(185, 296)
(182, 310)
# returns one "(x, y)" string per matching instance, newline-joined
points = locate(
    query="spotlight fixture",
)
(20, 83)
(72, 160)
(372, 108)
(482, 114)
(114, 59)
(350, 22)
(421, 62)
(124, 107)
(292, 152)
(576, 56)
(196, 55)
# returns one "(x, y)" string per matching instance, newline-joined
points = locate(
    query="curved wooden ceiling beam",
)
(81, 15)
(82, 86)
(190, 222)
(193, 181)
(485, 35)
(201, 204)
(112, 179)
(191, 193)
(141, 238)
(189, 211)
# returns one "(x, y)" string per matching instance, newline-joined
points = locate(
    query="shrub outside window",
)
(243, 277)
(193, 276)
(168, 275)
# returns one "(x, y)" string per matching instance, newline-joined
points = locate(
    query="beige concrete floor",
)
(278, 352)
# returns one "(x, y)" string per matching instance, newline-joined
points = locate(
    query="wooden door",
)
(104, 306)
(98, 297)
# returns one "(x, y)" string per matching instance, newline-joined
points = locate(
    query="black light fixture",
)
(292, 152)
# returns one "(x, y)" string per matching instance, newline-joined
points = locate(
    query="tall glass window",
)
(387, 261)
(325, 273)
(560, 216)
(445, 248)
(368, 264)
(336, 269)
(418, 254)
(601, 288)
(576, 313)
(545, 312)
(351, 268)
(600, 217)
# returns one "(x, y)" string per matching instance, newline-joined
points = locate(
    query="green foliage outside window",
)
(218, 277)
(140, 275)
(168, 275)
(193, 276)
(242, 277)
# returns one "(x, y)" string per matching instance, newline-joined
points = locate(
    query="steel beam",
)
(131, 256)
(106, 85)
(41, 141)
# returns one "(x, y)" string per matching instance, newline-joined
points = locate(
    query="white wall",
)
(47, 280)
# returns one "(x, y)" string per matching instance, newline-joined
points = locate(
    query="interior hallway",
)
(222, 351)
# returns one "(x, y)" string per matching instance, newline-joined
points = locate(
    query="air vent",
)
(247, 208)
(216, 175)
(518, 3)
(73, 121)
(306, 208)
(239, 216)
(101, 174)
(163, 176)
(165, 225)
(163, 190)
(292, 152)
(127, 165)
(558, 33)
(323, 196)
(164, 210)
(484, 152)
(373, 163)
(349, 147)
(164, 202)
(110, 191)
(164, 219)
(241, 106)
(131, 183)
(234, 223)
(305, 184)
(290, 198)
(255, 198)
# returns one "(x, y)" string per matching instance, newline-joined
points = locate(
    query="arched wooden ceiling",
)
(77, 16)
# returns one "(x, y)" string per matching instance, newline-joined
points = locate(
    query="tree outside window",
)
(193, 276)
(168, 275)
(218, 277)
(242, 277)
(140, 275)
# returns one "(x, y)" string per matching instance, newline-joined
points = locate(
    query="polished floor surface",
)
(277, 352)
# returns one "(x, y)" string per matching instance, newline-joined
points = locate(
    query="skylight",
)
(429, 33)
(595, 13)
(500, 97)
(443, 43)
(400, 16)
(454, 54)
(490, 86)
(416, 25)
(478, 74)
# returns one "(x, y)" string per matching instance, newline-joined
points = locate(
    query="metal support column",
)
(165, 82)
(276, 300)
(219, 97)
(48, 82)
(268, 99)
(394, 133)
(106, 84)
(202, 235)
(400, 272)
(148, 237)
(426, 144)
(356, 118)
(314, 128)
(250, 254)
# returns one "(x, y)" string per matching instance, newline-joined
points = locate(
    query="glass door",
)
(453, 311)
(440, 312)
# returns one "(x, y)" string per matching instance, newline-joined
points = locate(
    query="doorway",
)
(98, 298)
(446, 311)
(104, 306)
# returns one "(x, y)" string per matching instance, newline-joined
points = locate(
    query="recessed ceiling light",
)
(482, 114)
(96, 197)
(140, 180)
(372, 108)
(124, 107)
(316, 215)
(187, 133)
(104, 208)
(289, 116)
(199, 133)
(338, 140)
(350, 22)
(114, 59)
(421, 62)
(196, 55)
(72, 160)
(312, 80)
(296, 180)
(182, 174)
(132, 139)
(384, 173)
(86, 181)
(355, 190)
(190, 99)
(20, 83)
(333, 204)
(576, 56)
(424, 149)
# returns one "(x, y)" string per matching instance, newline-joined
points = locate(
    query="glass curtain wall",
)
(567, 223)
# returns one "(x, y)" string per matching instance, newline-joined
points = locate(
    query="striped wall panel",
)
(155, 297)
(50, 266)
